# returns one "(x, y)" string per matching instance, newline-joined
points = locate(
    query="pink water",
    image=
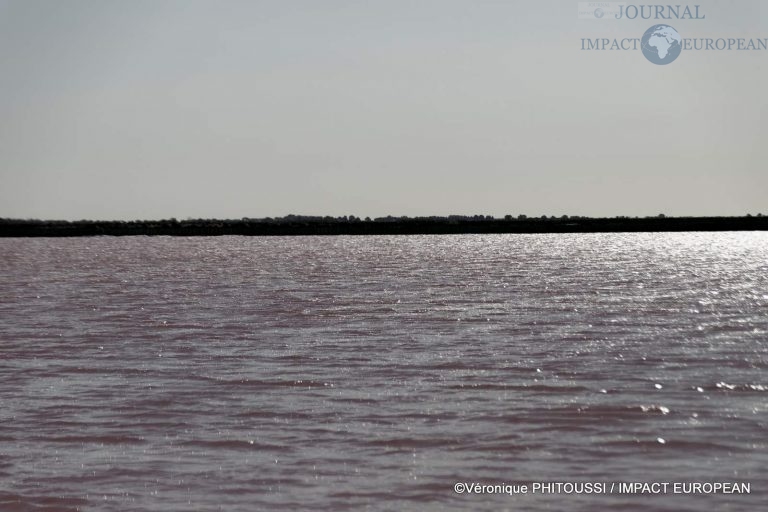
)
(373, 373)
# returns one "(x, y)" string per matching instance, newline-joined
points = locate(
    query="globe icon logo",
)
(599, 13)
(661, 44)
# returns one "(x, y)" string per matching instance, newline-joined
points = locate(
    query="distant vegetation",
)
(352, 225)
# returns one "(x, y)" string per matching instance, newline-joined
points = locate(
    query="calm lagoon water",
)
(374, 373)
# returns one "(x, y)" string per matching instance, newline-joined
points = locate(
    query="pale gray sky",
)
(138, 109)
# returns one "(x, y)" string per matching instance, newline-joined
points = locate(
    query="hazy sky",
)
(138, 109)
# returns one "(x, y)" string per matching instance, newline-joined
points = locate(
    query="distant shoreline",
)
(306, 226)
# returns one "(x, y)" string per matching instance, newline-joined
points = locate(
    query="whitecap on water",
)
(655, 408)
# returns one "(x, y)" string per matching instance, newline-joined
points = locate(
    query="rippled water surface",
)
(354, 373)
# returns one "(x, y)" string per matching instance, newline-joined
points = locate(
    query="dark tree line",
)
(352, 225)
